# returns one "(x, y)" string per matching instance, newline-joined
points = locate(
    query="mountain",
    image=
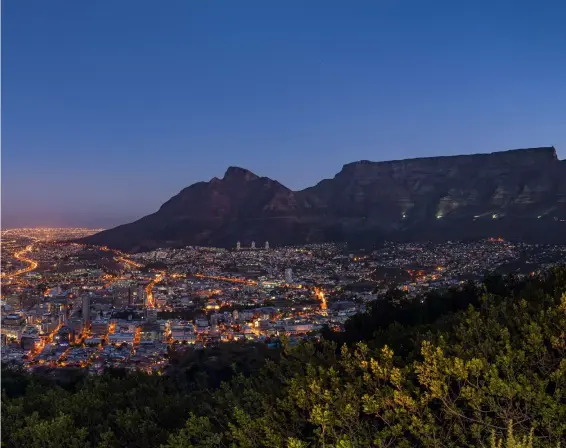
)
(518, 194)
(240, 205)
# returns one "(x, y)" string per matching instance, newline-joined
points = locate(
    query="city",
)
(68, 305)
(283, 224)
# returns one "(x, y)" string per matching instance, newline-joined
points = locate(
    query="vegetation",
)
(478, 367)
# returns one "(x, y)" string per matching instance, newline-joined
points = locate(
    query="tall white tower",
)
(267, 245)
(288, 275)
(238, 246)
(253, 244)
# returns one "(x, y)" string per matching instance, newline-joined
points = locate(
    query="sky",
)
(109, 107)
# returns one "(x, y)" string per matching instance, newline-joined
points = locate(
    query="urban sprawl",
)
(69, 305)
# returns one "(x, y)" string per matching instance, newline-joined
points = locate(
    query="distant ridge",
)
(543, 151)
(517, 194)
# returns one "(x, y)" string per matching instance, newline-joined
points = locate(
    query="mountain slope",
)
(241, 205)
(467, 196)
(518, 194)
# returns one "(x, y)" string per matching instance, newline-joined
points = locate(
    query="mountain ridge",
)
(539, 150)
(458, 197)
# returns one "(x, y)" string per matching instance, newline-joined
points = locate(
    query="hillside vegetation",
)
(479, 367)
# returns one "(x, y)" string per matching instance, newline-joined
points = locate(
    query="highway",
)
(48, 340)
(32, 264)
(129, 262)
(149, 289)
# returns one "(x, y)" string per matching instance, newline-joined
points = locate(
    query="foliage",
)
(484, 366)
(511, 442)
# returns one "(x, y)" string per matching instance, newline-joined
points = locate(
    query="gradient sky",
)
(111, 107)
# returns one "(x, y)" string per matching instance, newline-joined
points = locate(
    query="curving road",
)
(149, 290)
(32, 264)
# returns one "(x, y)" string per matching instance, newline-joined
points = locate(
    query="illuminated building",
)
(64, 336)
(150, 333)
(202, 324)
(267, 245)
(141, 294)
(122, 337)
(253, 244)
(30, 338)
(289, 275)
(13, 325)
(238, 246)
(298, 328)
(183, 331)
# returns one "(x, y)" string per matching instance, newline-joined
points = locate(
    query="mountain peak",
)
(236, 172)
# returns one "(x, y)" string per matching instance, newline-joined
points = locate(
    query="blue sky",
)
(111, 107)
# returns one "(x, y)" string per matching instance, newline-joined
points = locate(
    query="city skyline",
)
(101, 128)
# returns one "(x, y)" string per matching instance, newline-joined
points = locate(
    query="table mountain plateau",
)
(518, 195)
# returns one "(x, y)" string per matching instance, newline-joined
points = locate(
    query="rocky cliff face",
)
(518, 194)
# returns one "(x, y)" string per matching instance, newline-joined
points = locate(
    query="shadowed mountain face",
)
(519, 194)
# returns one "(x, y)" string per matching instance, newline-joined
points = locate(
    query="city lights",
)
(76, 305)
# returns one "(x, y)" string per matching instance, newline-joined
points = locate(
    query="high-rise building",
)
(267, 245)
(86, 309)
(141, 294)
(288, 275)
(238, 246)
(62, 313)
(253, 244)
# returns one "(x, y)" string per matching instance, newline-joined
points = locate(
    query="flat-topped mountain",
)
(518, 194)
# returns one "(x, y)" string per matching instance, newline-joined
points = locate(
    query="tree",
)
(489, 370)
(197, 433)
(59, 432)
